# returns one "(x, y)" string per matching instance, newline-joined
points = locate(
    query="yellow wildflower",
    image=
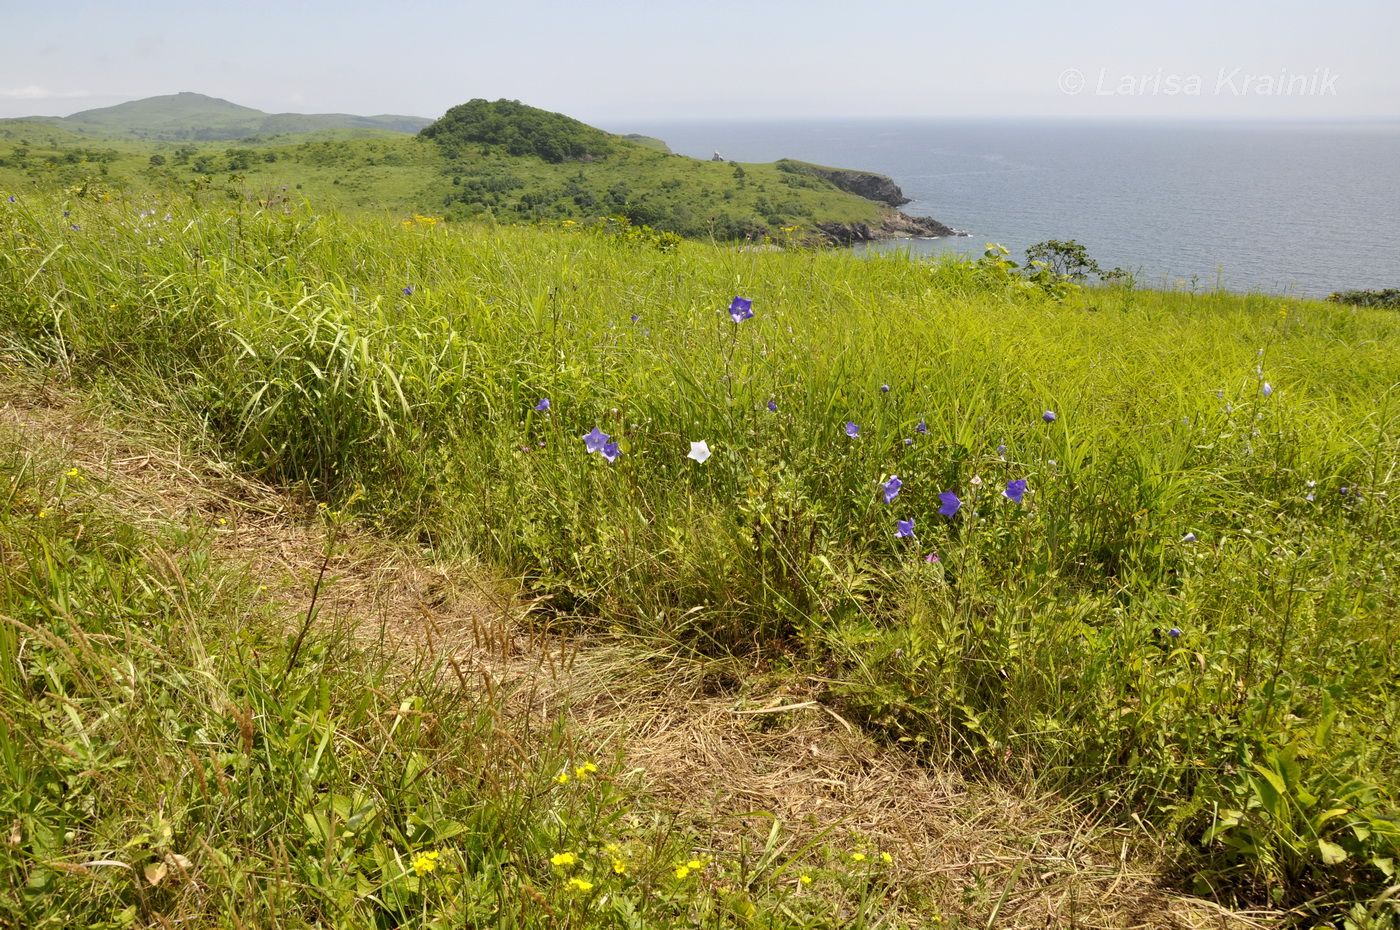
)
(562, 778)
(423, 863)
(583, 771)
(43, 513)
(886, 858)
(685, 868)
(580, 885)
(805, 879)
(563, 858)
(73, 472)
(619, 867)
(857, 857)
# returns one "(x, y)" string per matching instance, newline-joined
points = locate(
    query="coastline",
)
(892, 223)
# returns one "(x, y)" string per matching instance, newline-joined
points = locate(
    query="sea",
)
(1302, 208)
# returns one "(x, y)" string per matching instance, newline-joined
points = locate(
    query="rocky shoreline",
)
(893, 224)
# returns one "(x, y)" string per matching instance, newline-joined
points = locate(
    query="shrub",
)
(1387, 297)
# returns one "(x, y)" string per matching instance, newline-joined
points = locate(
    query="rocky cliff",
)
(865, 184)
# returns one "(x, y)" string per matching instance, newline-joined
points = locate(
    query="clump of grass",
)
(1196, 589)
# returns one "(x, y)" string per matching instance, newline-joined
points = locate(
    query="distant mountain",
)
(187, 116)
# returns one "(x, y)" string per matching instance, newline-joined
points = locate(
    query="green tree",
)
(1066, 258)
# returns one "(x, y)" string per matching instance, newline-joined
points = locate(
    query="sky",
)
(611, 62)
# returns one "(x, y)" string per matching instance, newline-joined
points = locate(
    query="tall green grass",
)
(1041, 639)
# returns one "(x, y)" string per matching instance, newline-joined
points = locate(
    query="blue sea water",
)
(1297, 208)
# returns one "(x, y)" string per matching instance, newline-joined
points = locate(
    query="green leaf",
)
(1332, 854)
(1325, 817)
(1270, 791)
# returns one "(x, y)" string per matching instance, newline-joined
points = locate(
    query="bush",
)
(1388, 297)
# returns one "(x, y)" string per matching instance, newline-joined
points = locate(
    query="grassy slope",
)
(692, 738)
(391, 172)
(1036, 644)
(173, 753)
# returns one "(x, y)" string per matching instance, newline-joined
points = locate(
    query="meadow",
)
(1140, 548)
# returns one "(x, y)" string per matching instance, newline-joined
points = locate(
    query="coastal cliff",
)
(892, 223)
(865, 184)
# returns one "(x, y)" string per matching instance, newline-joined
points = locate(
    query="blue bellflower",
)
(595, 440)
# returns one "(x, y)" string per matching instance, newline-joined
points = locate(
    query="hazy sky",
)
(609, 62)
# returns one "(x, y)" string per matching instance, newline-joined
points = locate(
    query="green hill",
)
(513, 128)
(650, 142)
(196, 116)
(502, 160)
